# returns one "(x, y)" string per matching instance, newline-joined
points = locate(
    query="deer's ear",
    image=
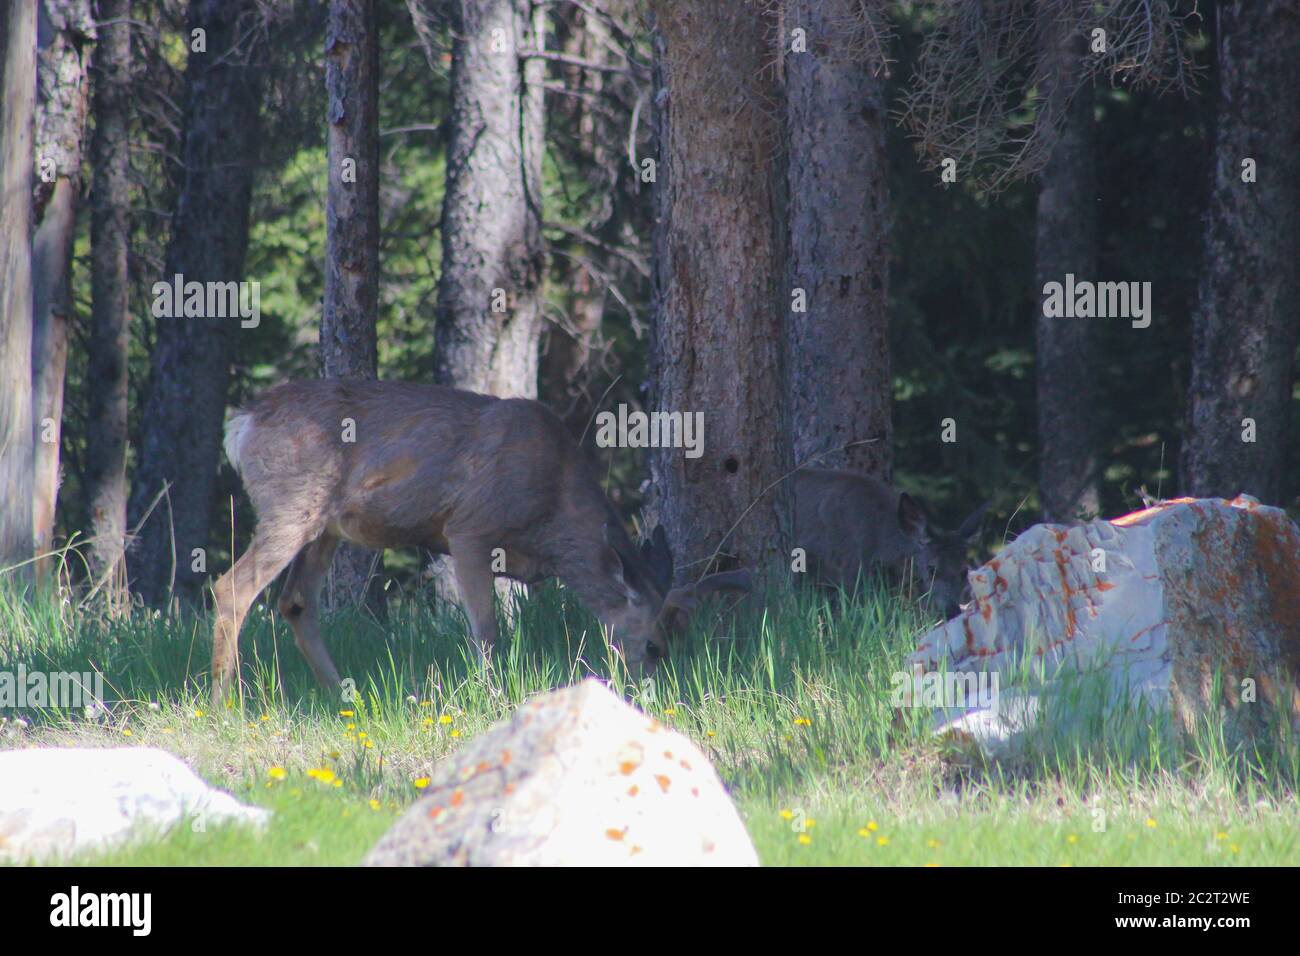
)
(686, 598)
(658, 557)
(970, 528)
(910, 516)
(615, 564)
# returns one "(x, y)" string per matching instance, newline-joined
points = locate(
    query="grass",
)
(791, 700)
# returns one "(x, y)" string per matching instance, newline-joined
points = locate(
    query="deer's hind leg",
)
(269, 553)
(300, 605)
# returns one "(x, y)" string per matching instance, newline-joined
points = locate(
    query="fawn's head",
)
(940, 556)
(651, 610)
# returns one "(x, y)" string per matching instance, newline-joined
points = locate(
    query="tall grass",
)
(790, 695)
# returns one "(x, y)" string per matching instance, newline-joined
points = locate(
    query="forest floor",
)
(792, 701)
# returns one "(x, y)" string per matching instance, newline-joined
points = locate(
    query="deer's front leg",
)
(474, 579)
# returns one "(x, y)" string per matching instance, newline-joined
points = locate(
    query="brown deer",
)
(848, 523)
(497, 484)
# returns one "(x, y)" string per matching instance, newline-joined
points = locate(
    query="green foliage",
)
(792, 701)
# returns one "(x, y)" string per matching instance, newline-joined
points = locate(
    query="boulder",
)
(575, 777)
(1162, 602)
(58, 801)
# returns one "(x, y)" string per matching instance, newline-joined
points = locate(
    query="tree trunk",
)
(719, 315)
(1244, 326)
(106, 372)
(65, 31)
(190, 364)
(489, 293)
(565, 371)
(347, 331)
(1066, 242)
(840, 387)
(17, 107)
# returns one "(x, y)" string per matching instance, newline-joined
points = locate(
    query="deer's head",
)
(940, 556)
(652, 610)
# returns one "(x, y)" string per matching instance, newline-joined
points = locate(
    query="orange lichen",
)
(663, 781)
(627, 767)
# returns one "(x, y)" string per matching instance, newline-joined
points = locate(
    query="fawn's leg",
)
(235, 591)
(473, 563)
(300, 605)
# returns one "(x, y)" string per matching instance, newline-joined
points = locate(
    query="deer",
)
(848, 523)
(497, 484)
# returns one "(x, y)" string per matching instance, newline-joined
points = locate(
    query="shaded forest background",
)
(962, 302)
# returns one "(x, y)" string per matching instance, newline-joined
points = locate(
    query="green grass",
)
(791, 700)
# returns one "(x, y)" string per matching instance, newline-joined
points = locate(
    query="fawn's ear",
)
(970, 528)
(680, 602)
(911, 518)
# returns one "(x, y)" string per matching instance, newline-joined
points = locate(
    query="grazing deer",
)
(497, 484)
(848, 523)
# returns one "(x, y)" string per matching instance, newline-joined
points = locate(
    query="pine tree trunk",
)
(347, 332)
(1244, 325)
(840, 387)
(719, 314)
(64, 34)
(190, 364)
(1066, 242)
(489, 293)
(106, 374)
(17, 107)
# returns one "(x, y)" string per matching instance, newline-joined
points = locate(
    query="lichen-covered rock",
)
(575, 777)
(57, 801)
(1161, 601)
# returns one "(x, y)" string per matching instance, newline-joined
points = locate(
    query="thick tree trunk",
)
(190, 365)
(1244, 331)
(347, 332)
(65, 30)
(840, 387)
(1066, 242)
(719, 315)
(106, 374)
(17, 106)
(489, 293)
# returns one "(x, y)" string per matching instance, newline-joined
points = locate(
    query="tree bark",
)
(1244, 325)
(1066, 242)
(718, 312)
(106, 373)
(489, 294)
(841, 393)
(17, 108)
(347, 333)
(65, 31)
(190, 364)
(566, 364)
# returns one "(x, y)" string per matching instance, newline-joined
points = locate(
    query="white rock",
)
(59, 801)
(1158, 601)
(576, 777)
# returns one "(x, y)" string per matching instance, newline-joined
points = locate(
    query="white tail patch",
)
(237, 432)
